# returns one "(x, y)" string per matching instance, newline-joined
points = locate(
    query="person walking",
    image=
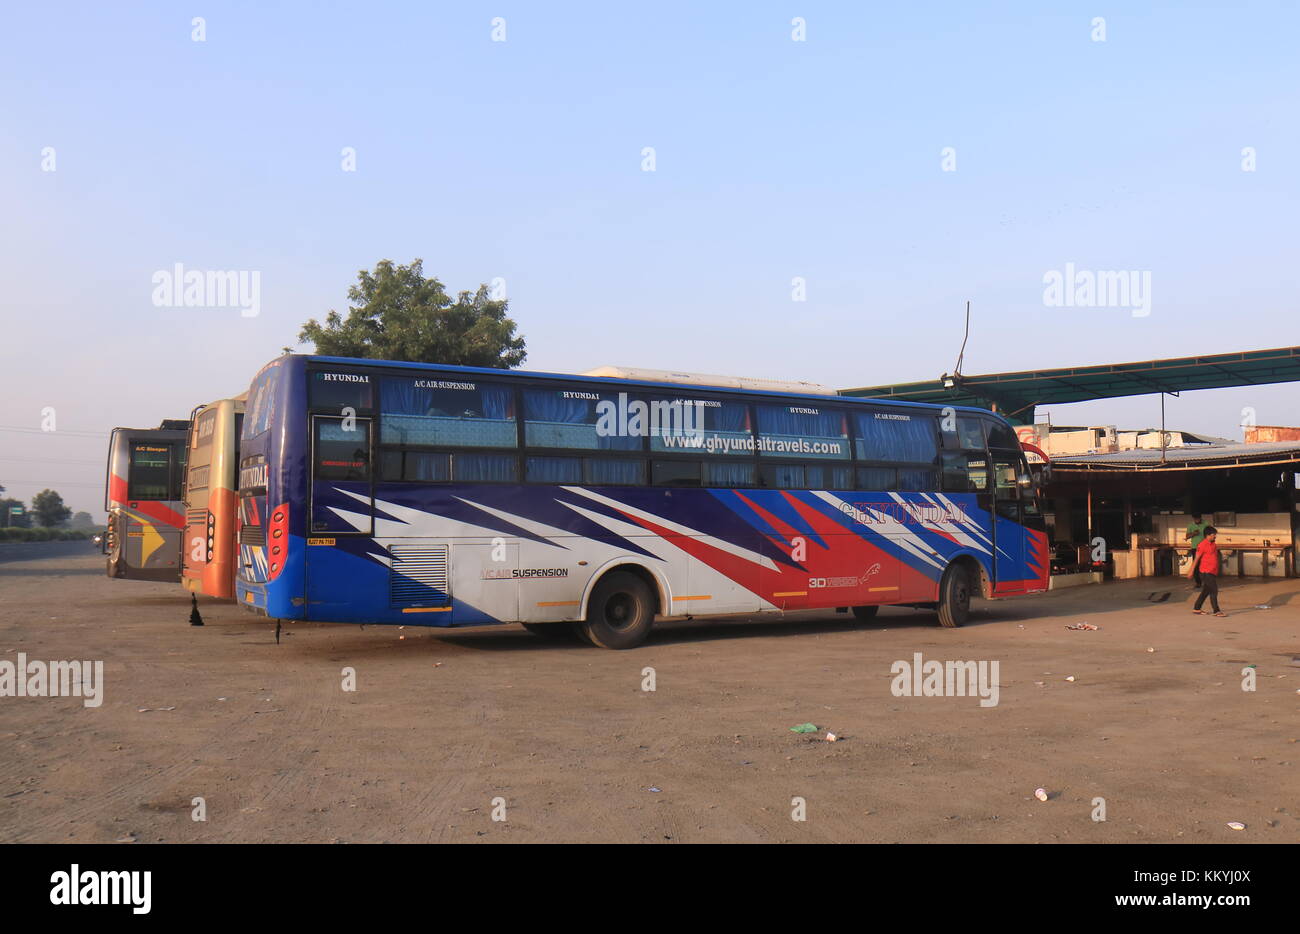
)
(1195, 535)
(1206, 563)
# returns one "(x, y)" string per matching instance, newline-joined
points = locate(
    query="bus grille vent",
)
(252, 535)
(419, 575)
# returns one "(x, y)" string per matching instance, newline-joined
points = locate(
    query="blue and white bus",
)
(408, 493)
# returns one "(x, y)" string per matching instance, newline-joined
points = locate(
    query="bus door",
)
(1008, 534)
(342, 497)
(339, 584)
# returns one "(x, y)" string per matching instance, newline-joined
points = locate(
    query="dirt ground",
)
(443, 722)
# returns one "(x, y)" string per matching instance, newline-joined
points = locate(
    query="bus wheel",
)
(620, 613)
(865, 613)
(552, 632)
(954, 597)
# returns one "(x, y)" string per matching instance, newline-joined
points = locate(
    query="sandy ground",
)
(444, 722)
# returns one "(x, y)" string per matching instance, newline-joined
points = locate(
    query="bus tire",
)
(552, 632)
(620, 612)
(865, 613)
(954, 596)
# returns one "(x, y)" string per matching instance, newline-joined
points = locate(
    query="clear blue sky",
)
(522, 159)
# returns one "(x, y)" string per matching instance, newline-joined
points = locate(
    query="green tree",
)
(82, 520)
(395, 313)
(49, 509)
(7, 518)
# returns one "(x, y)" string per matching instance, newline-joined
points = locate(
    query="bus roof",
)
(642, 383)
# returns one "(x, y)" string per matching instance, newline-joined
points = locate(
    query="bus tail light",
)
(277, 540)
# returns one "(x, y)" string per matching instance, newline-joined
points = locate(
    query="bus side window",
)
(970, 432)
(965, 472)
(180, 459)
(730, 476)
(676, 473)
(1001, 435)
(877, 478)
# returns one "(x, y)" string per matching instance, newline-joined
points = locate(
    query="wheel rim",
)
(620, 611)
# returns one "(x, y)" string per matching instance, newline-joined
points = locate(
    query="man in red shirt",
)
(1207, 563)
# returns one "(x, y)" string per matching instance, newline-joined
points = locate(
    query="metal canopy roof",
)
(1191, 457)
(1016, 394)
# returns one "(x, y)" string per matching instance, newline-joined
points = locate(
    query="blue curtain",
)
(402, 397)
(917, 481)
(434, 468)
(820, 477)
(779, 420)
(497, 401)
(554, 470)
(784, 476)
(888, 439)
(490, 468)
(612, 472)
(549, 411)
(729, 475)
(729, 416)
(544, 405)
(877, 478)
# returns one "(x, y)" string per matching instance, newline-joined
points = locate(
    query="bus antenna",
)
(965, 337)
(950, 380)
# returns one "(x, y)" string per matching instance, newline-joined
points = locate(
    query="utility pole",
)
(1164, 438)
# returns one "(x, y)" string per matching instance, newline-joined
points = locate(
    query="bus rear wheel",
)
(865, 613)
(620, 613)
(954, 596)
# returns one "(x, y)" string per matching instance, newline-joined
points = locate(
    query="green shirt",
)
(1197, 531)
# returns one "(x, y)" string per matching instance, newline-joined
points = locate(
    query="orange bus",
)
(208, 559)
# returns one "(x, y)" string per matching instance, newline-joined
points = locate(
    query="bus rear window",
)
(334, 392)
(149, 475)
(260, 408)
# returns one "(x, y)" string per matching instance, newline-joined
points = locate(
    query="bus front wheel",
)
(954, 596)
(620, 613)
